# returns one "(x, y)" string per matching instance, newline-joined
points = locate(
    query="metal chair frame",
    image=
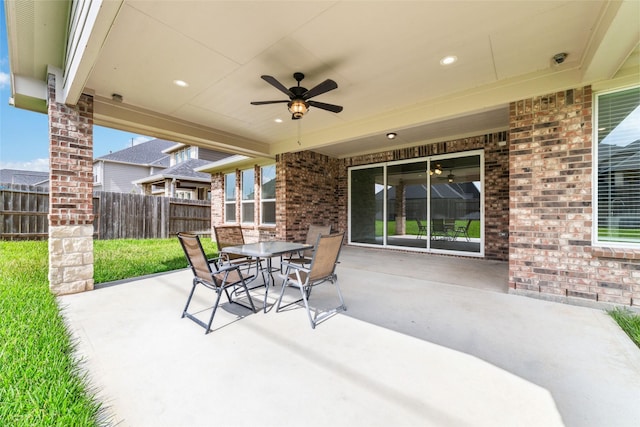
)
(321, 270)
(422, 229)
(305, 257)
(464, 231)
(440, 230)
(219, 280)
(231, 235)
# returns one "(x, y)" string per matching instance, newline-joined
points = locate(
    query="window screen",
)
(618, 167)
(230, 197)
(268, 194)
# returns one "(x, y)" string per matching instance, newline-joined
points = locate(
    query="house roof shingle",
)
(183, 170)
(16, 176)
(146, 153)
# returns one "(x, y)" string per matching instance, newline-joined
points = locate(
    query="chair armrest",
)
(227, 267)
(300, 267)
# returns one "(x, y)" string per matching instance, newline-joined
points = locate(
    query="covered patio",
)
(426, 345)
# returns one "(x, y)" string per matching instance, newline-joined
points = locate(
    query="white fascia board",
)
(614, 39)
(92, 21)
(29, 94)
(223, 164)
(160, 177)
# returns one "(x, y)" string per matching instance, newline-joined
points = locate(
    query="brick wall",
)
(217, 199)
(307, 192)
(551, 206)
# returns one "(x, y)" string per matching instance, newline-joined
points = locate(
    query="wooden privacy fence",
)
(24, 210)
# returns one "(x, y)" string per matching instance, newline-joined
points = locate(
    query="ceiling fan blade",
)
(323, 87)
(275, 83)
(268, 102)
(328, 107)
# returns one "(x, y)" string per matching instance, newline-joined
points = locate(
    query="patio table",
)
(266, 251)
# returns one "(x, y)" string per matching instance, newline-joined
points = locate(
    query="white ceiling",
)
(384, 55)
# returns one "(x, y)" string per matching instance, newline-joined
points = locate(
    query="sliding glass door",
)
(432, 204)
(455, 204)
(367, 205)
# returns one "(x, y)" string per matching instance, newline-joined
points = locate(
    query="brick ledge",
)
(617, 253)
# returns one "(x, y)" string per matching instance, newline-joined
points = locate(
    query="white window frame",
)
(243, 201)
(596, 241)
(266, 200)
(233, 201)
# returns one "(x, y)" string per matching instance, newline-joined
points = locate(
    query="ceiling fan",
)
(299, 97)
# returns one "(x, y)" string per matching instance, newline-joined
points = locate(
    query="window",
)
(183, 155)
(617, 195)
(247, 207)
(188, 195)
(268, 195)
(230, 197)
(97, 172)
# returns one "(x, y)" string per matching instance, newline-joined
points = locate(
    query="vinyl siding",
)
(118, 177)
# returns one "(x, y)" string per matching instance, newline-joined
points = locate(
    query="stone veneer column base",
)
(70, 259)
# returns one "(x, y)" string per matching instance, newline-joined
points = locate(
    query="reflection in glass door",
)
(407, 204)
(367, 205)
(455, 204)
(432, 204)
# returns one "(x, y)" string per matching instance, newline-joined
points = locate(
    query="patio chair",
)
(231, 235)
(304, 257)
(464, 231)
(439, 230)
(227, 279)
(321, 270)
(422, 229)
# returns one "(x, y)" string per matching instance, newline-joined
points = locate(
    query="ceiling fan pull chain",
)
(299, 124)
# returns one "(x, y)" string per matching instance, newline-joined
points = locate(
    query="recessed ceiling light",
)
(278, 120)
(180, 83)
(448, 60)
(392, 135)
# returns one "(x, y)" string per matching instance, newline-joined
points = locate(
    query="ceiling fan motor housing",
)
(299, 97)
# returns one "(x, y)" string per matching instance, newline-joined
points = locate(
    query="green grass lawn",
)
(41, 384)
(40, 381)
(411, 227)
(629, 322)
(143, 257)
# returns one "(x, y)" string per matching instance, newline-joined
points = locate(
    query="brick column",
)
(70, 194)
(217, 200)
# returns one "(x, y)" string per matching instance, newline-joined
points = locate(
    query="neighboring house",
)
(180, 179)
(116, 172)
(15, 176)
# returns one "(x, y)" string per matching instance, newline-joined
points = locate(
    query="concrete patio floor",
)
(426, 341)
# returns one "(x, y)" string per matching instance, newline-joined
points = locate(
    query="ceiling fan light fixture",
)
(298, 108)
(437, 170)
